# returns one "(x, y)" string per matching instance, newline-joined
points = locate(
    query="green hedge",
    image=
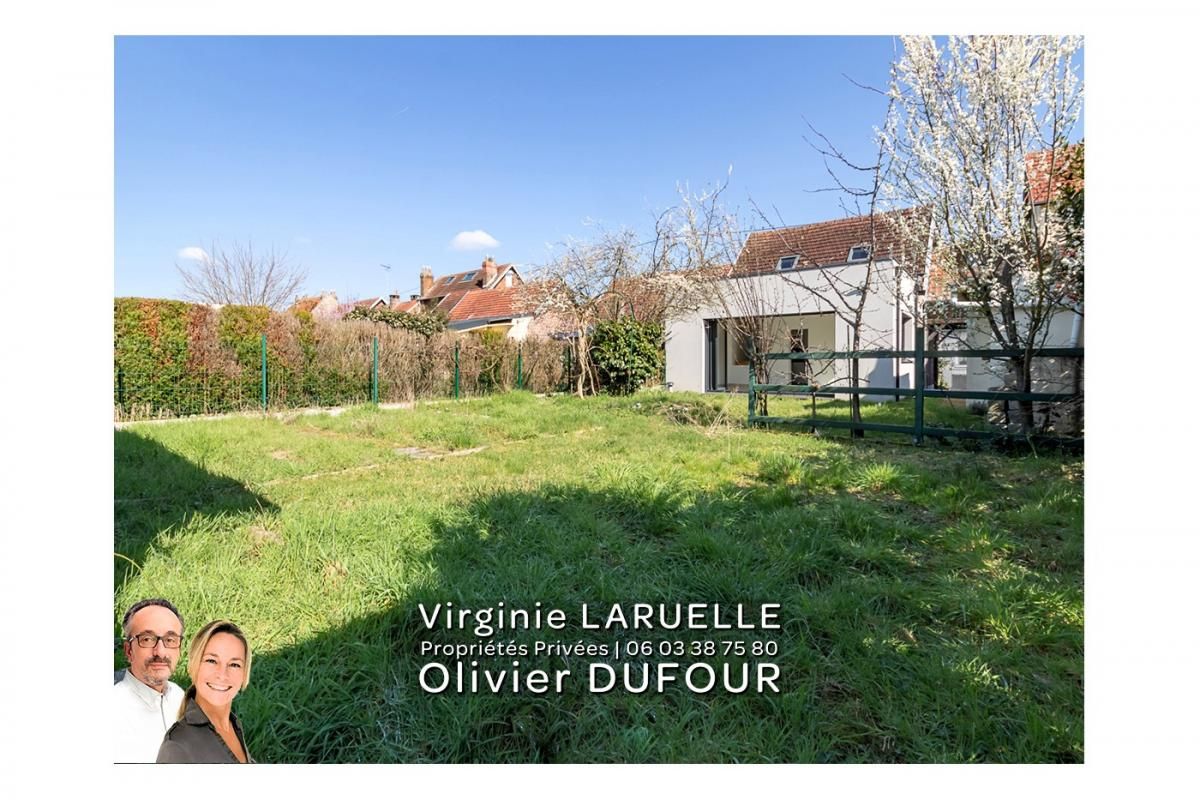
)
(176, 359)
(627, 354)
(425, 324)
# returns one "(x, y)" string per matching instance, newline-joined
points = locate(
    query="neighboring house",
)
(789, 281)
(369, 304)
(958, 323)
(322, 306)
(485, 297)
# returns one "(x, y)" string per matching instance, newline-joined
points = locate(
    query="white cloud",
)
(473, 240)
(192, 254)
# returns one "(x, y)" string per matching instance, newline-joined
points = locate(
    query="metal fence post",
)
(264, 373)
(750, 383)
(456, 370)
(919, 385)
(567, 383)
(520, 377)
(375, 370)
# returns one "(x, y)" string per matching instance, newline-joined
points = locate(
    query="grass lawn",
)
(931, 598)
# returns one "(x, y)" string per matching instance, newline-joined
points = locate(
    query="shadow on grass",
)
(156, 489)
(888, 651)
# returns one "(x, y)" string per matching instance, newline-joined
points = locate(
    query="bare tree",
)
(709, 238)
(241, 276)
(846, 291)
(574, 287)
(615, 275)
(661, 280)
(753, 310)
(756, 300)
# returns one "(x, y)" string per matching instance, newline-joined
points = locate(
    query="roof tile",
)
(816, 244)
(488, 304)
(1040, 184)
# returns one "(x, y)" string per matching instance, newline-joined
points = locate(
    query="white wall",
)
(519, 329)
(1050, 374)
(685, 354)
(790, 298)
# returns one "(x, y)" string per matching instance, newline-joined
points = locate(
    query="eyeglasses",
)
(148, 640)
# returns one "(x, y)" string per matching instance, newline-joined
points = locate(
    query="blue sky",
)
(352, 152)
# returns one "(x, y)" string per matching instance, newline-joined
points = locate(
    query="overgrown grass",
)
(932, 599)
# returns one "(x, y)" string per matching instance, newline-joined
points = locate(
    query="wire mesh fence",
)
(323, 365)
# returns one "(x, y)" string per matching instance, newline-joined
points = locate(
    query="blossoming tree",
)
(967, 114)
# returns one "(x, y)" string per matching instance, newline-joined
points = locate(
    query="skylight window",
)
(466, 277)
(860, 252)
(786, 263)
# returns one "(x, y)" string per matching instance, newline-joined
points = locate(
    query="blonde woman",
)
(208, 732)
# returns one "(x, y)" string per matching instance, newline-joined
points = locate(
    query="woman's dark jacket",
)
(194, 740)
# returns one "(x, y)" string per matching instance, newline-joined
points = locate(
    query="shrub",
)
(488, 349)
(426, 324)
(627, 354)
(151, 348)
(174, 359)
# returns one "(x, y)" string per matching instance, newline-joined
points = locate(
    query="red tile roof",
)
(447, 284)
(488, 304)
(817, 244)
(1039, 181)
(450, 300)
(305, 304)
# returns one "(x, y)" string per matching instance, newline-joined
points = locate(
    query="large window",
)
(906, 334)
(741, 353)
(801, 370)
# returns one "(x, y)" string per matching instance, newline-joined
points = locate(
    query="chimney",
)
(426, 280)
(489, 271)
(394, 300)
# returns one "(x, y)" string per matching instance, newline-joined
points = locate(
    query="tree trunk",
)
(1018, 377)
(762, 374)
(855, 399)
(582, 358)
(1025, 373)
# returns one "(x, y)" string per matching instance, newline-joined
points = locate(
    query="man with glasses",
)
(147, 702)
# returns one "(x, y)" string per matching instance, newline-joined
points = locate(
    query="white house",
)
(967, 330)
(959, 324)
(802, 284)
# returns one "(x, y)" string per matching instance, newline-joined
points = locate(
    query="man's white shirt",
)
(143, 718)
